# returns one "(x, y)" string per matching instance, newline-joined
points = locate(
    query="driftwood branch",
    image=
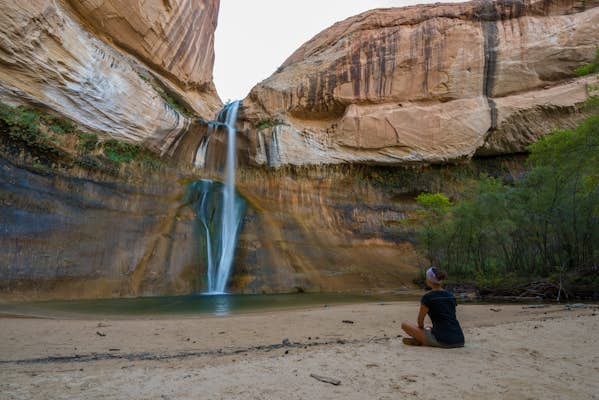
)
(325, 379)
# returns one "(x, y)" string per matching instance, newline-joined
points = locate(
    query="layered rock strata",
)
(51, 58)
(174, 37)
(89, 237)
(341, 227)
(430, 84)
(347, 228)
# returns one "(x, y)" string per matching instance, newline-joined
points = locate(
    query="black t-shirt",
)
(441, 309)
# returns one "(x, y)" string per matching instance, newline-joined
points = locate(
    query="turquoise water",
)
(188, 305)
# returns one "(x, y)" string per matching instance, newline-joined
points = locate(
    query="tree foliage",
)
(546, 222)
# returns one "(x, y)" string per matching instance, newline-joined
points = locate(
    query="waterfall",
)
(231, 217)
(218, 207)
(205, 213)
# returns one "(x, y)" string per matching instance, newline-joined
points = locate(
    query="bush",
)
(59, 125)
(434, 202)
(123, 152)
(268, 123)
(46, 137)
(547, 221)
(23, 126)
(590, 68)
(120, 152)
(87, 142)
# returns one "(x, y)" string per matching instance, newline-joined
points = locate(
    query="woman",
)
(440, 305)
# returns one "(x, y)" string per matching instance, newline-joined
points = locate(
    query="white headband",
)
(430, 274)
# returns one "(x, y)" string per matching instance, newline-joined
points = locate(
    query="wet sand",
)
(512, 352)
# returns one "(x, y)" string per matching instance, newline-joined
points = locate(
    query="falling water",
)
(218, 207)
(231, 214)
(200, 158)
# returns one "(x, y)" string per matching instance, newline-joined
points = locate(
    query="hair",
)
(439, 273)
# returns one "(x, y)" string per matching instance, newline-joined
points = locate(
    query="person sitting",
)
(440, 305)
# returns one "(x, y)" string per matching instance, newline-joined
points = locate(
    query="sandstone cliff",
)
(78, 219)
(431, 84)
(331, 228)
(88, 237)
(52, 58)
(427, 84)
(175, 37)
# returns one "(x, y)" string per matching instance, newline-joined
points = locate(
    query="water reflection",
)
(216, 304)
(222, 305)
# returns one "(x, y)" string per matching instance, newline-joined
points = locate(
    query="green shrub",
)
(123, 152)
(41, 134)
(59, 125)
(435, 202)
(87, 142)
(589, 68)
(268, 123)
(120, 152)
(546, 222)
(24, 125)
(166, 95)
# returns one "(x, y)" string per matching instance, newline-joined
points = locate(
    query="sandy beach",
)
(512, 352)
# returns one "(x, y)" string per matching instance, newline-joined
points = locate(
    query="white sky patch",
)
(254, 37)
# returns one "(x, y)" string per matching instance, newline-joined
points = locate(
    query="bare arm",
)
(421, 315)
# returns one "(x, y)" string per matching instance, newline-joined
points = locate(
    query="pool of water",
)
(196, 304)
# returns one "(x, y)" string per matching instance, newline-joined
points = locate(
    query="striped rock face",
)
(175, 36)
(432, 84)
(108, 64)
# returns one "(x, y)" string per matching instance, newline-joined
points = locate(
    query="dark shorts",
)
(432, 341)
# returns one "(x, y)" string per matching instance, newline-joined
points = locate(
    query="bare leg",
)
(414, 331)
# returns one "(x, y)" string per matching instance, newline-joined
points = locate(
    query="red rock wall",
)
(422, 83)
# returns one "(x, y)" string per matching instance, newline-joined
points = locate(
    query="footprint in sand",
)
(409, 378)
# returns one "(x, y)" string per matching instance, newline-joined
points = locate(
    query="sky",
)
(254, 37)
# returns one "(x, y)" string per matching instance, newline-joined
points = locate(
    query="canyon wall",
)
(69, 236)
(174, 36)
(342, 228)
(426, 84)
(76, 222)
(329, 228)
(419, 85)
(116, 67)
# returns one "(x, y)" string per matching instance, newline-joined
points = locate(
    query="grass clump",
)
(54, 142)
(120, 152)
(125, 153)
(171, 101)
(32, 129)
(59, 125)
(87, 142)
(268, 123)
(166, 95)
(589, 68)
